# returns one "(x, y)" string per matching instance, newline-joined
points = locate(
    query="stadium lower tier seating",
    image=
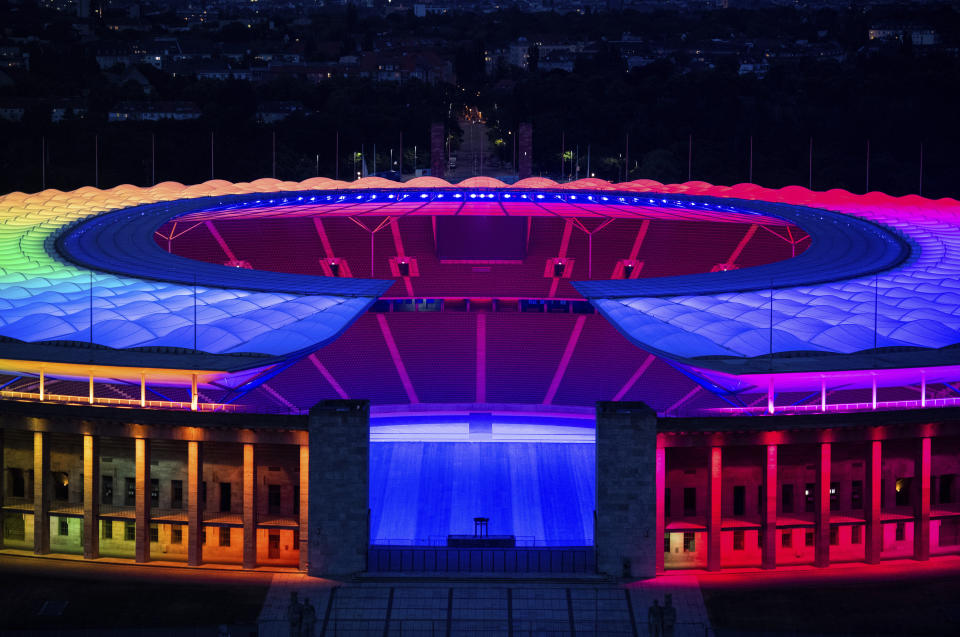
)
(436, 354)
(435, 357)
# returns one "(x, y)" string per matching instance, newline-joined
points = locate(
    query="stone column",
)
(921, 505)
(91, 496)
(41, 505)
(873, 502)
(142, 512)
(249, 506)
(3, 472)
(769, 508)
(625, 535)
(822, 507)
(303, 536)
(339, 478)
(661, 520)
(714, 509)
(194, 505)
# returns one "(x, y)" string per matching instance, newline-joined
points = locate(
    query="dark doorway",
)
(224, 497)
(18, 487)
(273, 499)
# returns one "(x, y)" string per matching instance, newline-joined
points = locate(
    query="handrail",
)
(436, 541)
(120, 402)
(838, 407)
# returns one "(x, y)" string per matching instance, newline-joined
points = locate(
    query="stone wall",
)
(626, 490)
(338, 516)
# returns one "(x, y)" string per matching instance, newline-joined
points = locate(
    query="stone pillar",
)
(303, 536)
(661, 520)
(249, 506)
(714, 509)
(525, 150)
(41, 505)
(822, 507)
(873, 502)
(194, 504)
(3, 472)
(142, 511)
(91, 496)
(438, 157)
(339, 487)
(921, 505)
(769, 508)
(626, 515)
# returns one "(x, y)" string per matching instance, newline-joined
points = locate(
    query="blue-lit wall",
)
(421, 492)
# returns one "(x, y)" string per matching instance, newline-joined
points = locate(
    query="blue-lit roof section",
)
(121, 241)
(82, 268)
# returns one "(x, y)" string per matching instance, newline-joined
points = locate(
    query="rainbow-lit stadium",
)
(584, 377)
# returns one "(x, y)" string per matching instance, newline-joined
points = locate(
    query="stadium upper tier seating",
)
(399, 357)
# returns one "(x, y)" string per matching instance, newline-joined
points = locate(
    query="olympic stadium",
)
(345, 377)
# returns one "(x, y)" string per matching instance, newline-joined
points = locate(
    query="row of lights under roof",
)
(474, 195)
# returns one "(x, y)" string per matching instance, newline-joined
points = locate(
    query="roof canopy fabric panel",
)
(881, 277)
(881, 274)
(82, 269)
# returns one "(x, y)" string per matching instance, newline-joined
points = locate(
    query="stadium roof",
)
(878, 288)
(83, 282)
(904, 314)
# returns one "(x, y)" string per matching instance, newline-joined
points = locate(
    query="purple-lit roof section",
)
(915, 305)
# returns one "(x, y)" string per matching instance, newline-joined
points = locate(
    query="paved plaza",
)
(474, 608)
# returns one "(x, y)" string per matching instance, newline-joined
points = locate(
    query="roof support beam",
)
(481, 357)
(732, 261)
(794, 242)
(564, 245)
(220, 240)
(398, 245)
(636, 376)
(279, 398)
(397, 360)
(690, 394)
(638, 241)
(324, 239)
(383, 224)
(565, 359)
(590, 234)
(328, 376)
(565, 239)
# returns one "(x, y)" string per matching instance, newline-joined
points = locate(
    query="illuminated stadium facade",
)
(340, 377)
